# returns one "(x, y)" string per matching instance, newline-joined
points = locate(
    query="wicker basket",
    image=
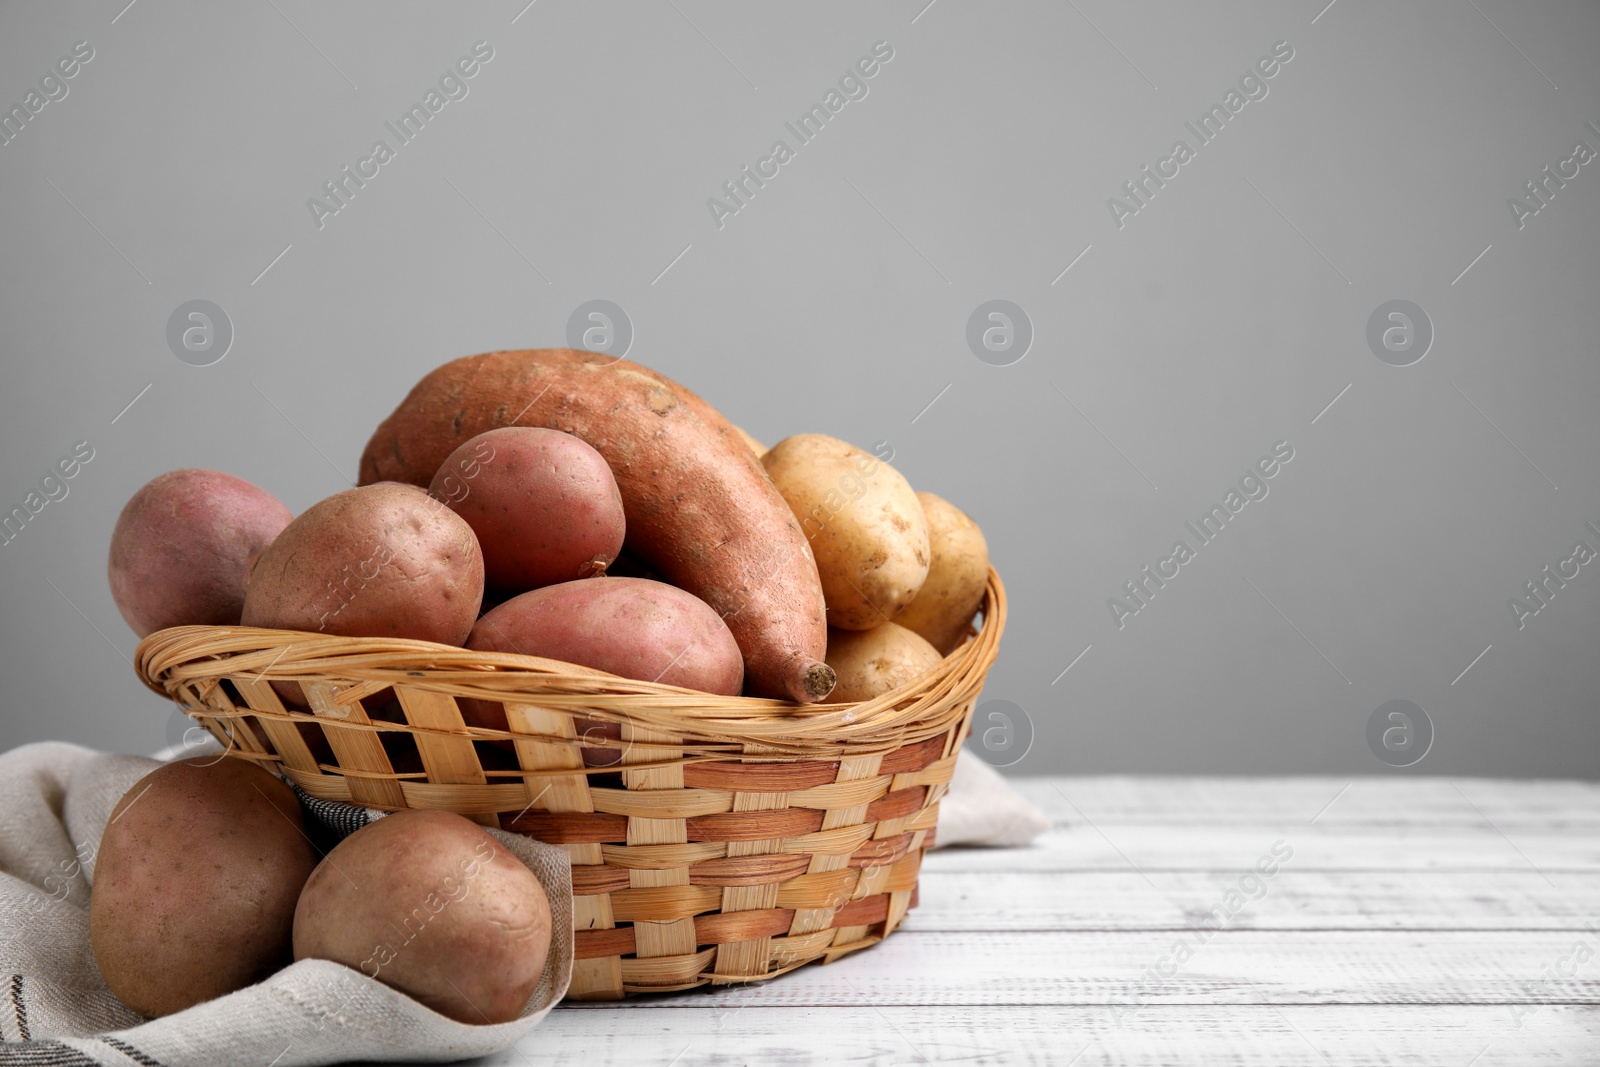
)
(713, 839)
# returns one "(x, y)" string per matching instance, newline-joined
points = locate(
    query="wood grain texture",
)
(1393, 800)
(1112, 846)
(1417, 921)
(1240, 1036)
(1234, 967)
(1292, 900)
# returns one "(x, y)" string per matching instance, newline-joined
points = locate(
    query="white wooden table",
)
(1415, 921)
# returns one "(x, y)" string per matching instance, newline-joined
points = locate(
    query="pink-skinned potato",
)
(429, 903)
(632, 627)
(543, 503)
(195, 883)
(378, 561)
(183, 546)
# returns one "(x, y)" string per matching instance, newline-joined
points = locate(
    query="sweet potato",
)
(699, 509)
(755, 446)
(544, 505)
(183, 546)
(957, 576)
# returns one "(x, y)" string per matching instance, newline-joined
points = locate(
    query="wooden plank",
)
(1413, 923)
(1292, 900)
(1389, 800)
(718, 1027)
(1232, 967)
(1416, 921)
(1110, 846)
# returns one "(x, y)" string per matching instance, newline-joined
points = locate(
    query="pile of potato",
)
(207, 880)
(902, 572)
(506, 483)
(545, 502)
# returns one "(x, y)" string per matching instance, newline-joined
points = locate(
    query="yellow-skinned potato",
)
(943, 608)
(869, 663)
(864, 524)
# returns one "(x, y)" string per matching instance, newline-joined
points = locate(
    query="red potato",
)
(379, 561)
(543, 503)
(195, 883)
(429, 903)
(183, 546)
(700, 510)
(631, 627)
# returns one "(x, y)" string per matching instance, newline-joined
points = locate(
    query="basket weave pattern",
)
(713, 839)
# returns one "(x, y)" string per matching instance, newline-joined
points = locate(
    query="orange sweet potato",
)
(700, 510)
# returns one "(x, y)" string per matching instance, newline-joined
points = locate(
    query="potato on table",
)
(428, 903)
(195, 883)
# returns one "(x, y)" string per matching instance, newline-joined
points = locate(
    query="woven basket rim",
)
(182, 657)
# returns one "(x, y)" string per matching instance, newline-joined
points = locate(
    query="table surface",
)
(1404, 920)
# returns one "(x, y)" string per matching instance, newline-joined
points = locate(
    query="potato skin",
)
(631, 627)
(699, 509)
(866, 528)
(543, 503)
(430, 904)
(379, 561)
(872, 662)
(195, 883)
(755, 446)
(957, 576)
(183, 545)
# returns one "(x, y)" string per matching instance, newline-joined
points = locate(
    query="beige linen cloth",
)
(55, 1009)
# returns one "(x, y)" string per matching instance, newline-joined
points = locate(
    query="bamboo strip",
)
(359, 750)
(285, 736)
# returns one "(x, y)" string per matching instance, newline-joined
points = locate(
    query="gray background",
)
(1221, 319)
